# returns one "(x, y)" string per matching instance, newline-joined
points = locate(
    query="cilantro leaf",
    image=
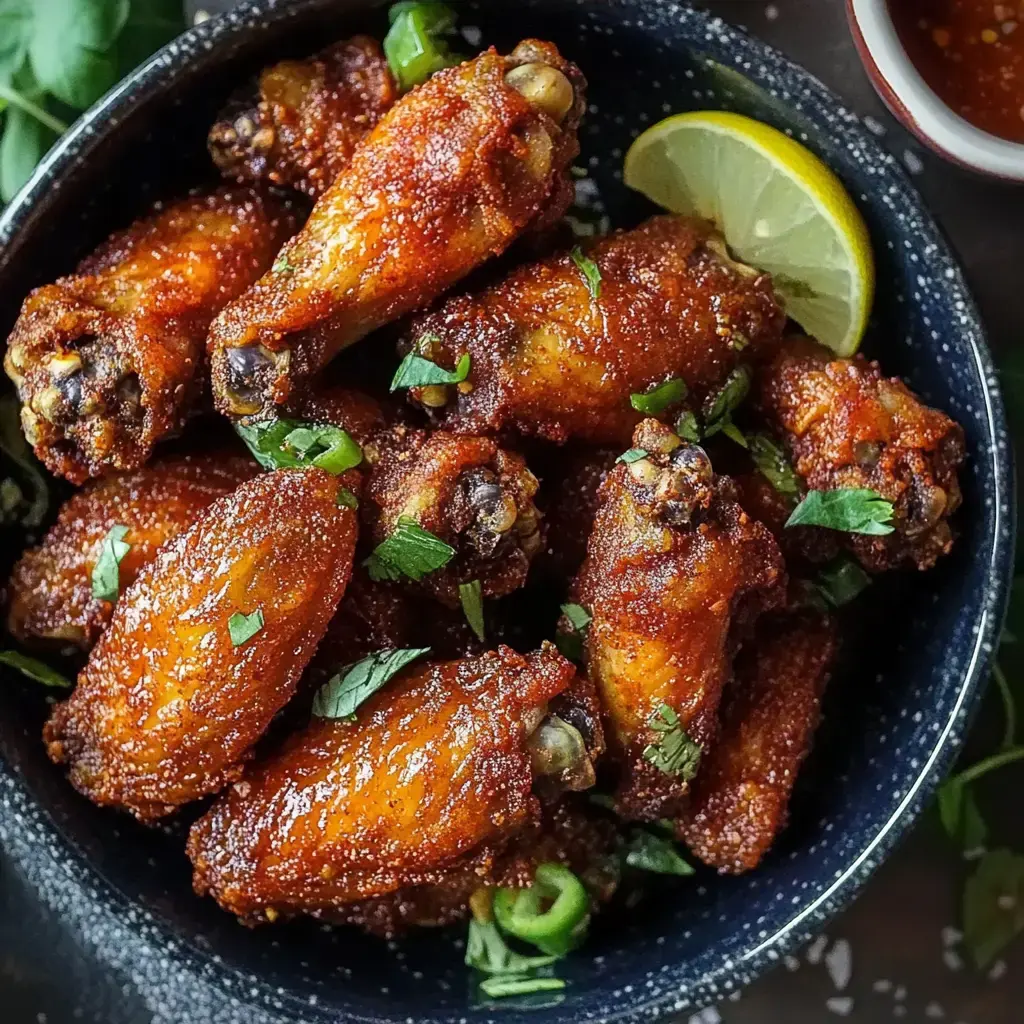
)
(841, 581)
(632, 455)
(577, 615)
(993, 905)
(590, 271)
(282, 266)
(570, 643)
(290, 444)
(674, 753)
(658, 399)
(415, 371)
(410, 551)
(105, 577)
(243, 628)
(773, 465)
(658, 854)
(35, 670)
(342, 694)
(471, 598)
(687, 427)
(960, 815)
(346, 499)
(850, 509)
(722, 403)
(488, 952)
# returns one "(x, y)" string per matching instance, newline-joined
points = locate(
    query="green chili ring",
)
(560, 927)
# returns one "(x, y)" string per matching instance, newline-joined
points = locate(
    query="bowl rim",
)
(105, 898)
(916, 102)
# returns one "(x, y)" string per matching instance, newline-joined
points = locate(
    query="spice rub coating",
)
(50, 592)
(111, 359)
(769, 714)
(306, 119)
(434, 775)
(550, 359)
(675, 573)
(168, 706)
(449, 177)
(847, 425)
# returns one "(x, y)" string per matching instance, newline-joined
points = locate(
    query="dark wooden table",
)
(898, 943)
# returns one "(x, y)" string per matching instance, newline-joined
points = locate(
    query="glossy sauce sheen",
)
(971, 52)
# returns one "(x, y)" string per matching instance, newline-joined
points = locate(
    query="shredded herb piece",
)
(674, 753)
(412, 47)
(416, 372)
(35, 670)
(632, 455)
(410, 551)
(659, 398)
(346, 499)
(722, 403)
(472, 600)
(290, 444)
(283, 266)
(590, 271)
(497, 987)
(105, 579)
(570, 644)
(658, 854)
(342, 694)
(850, 509)
(734, 433)
(841, 581)
(773, 465)
(243, 628)
(687, 427)
(487, 951)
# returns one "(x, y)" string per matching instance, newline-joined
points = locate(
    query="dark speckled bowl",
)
(897, 710)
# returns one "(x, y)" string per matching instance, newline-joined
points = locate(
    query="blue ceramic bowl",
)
(912, 669)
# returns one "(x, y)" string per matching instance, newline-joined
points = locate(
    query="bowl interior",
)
(900, 694)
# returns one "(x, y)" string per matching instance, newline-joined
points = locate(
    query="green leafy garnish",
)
(283, 266)
(412, 46)
(960, 815)
(687, 427)
(346, 499)
(28, 509)
(590, 271)
(471, 597)
(649, 852)
(35, 670)
(243, 628)
(342, 694)
(850, 509)
(416, 372)
(659, 398)
(721, 404)
(290, 444)
(488, 952)
(841, 581)
(570, 644)
(632, 455)
(734, 433)
(410, 551)
(674, 753)
(106, 583)
(498, 987)
(773, 465)
(993, 905)
(577, 615)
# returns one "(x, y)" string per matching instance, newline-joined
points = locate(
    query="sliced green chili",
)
(552, 914)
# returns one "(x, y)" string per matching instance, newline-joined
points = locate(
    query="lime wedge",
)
(778, 206)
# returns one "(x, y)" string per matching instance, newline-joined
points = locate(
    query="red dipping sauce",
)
(971, 53)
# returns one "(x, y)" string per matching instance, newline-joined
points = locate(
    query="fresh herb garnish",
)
(570, 644)
(106, 583)
(993, 906)
(412, 46)
(577, 615)
(410, 551)
(632, 455)
(734, 433)
(721, 404)
(488, 952)
(687, 427)
(674, 753)
(472, 599)
(590, 271)
(773, 465)
(961, 816)
(497, 987)
(243, 628)
(841, 581)
(283, 266)
(659, 398)
(346, 499)
(416, 372)
(35, 670)
(649, 852)
(290, 444)
(342, 694)
(30, 511)
(850, 509)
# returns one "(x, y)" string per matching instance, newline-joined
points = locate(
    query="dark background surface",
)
(898, 943)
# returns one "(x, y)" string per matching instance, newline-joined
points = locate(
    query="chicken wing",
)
(557, 355)
(769, 714)
(51, 597)
(848, 426)
(451, 175)
(109, 360)
(306, 118)
(675, 571)
(435, 775)
(207, 645)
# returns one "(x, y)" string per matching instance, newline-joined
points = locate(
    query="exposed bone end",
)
(250, 370)
(715, 244)
(30, 425)
(434, 396)
(557, 749)
(677, 477)
(543, 87)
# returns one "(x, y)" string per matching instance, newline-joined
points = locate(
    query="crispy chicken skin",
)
(769, 714)
(306, 119)
(550, 360)
(110, 360)
(846, 425)
(675, 572)
(435, 775)
(450, 176)
(356, 412)
(50, 591)
(470, 492)
(168, 708)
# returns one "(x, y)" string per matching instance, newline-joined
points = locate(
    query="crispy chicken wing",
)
(306, 118)
(451, 175)
(109, 360)
(769, 714)
(550, 359)
(51, 596)
(675, 570)
(848, 426)
(435, 775)
(207, 645)
(354, 411)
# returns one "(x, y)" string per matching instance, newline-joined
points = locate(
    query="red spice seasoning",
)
(971, 52)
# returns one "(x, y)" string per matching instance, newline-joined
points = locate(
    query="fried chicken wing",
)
(306, 118)
(354, 411)
(435, 775)
(769, 714)
(450, 176)
(109, 360)
(51, 597)
(548, 358)
(469, 492)
(675, 571)
(848, 426)
(207, 645)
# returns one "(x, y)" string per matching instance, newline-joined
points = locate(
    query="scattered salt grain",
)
(840, 1005)
(473, 34)
(934, 1012)
(882, 985)
(900, 994)
(951, 936)
(771, 13)
(953, 960)
(816, 950)
(874, 126)
(839, 961)
(997, 971)
(791, 962)
(912, 162)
